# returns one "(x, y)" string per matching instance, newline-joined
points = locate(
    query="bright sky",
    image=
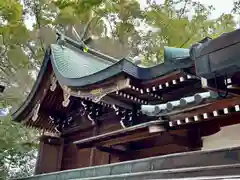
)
(221, 6)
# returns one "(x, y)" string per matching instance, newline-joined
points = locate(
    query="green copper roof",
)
(75, 68)
(173, 54)
(72, 64)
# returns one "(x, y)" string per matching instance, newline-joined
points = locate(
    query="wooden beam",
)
(165, 139)
(119, 133)
(129, 138)
(164, 79)
(109, 100)
(210, 84)
(206, 108)
(157, 151)
(195, 139)
(111, 150)
(187, 89)
(51, 140)
(181, 138)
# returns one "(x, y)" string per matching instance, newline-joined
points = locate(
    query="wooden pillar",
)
(194, 135)
(95, 132)
(49, 155)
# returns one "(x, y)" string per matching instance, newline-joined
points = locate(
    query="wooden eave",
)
(233, 88)
(162, 89)
(38, 92)
(47, 99)
(205, 112)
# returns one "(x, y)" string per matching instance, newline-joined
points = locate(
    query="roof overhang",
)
(56, 71)
(23, 111)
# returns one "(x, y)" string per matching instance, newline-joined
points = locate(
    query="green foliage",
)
(16, 142)
(120, 27)
(181, 27)
(11, 11)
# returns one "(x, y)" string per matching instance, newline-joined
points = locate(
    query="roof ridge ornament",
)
(85, 47)
(61, 39)
(82, 45)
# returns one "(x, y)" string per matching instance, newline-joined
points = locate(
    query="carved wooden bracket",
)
(53, 85)
(128, 116)
(66, 101)
(66, 96)
(90, 118)
(35, 112)
(60, 122)
(122, 124)
(97, 94)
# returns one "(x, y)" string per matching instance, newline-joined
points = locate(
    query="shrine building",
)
(108, 118)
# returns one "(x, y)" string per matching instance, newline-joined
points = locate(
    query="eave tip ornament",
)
(66, 96)
(66, 100)
(53, 83)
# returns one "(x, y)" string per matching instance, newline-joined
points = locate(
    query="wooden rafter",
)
(204, 112)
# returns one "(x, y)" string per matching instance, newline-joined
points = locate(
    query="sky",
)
(221, 6)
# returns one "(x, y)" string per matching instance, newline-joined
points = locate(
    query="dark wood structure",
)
(96, 110)
(2, 88)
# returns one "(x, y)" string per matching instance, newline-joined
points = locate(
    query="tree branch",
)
(37, 10)
(87, 27)
(31, 50)
(183, 9)
(189, 38)
(4, 71)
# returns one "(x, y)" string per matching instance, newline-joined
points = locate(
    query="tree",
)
(17, 145)
(15, 67)
(144, 32)
(180, 23)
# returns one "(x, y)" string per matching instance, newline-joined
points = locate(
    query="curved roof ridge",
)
(77, 69)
